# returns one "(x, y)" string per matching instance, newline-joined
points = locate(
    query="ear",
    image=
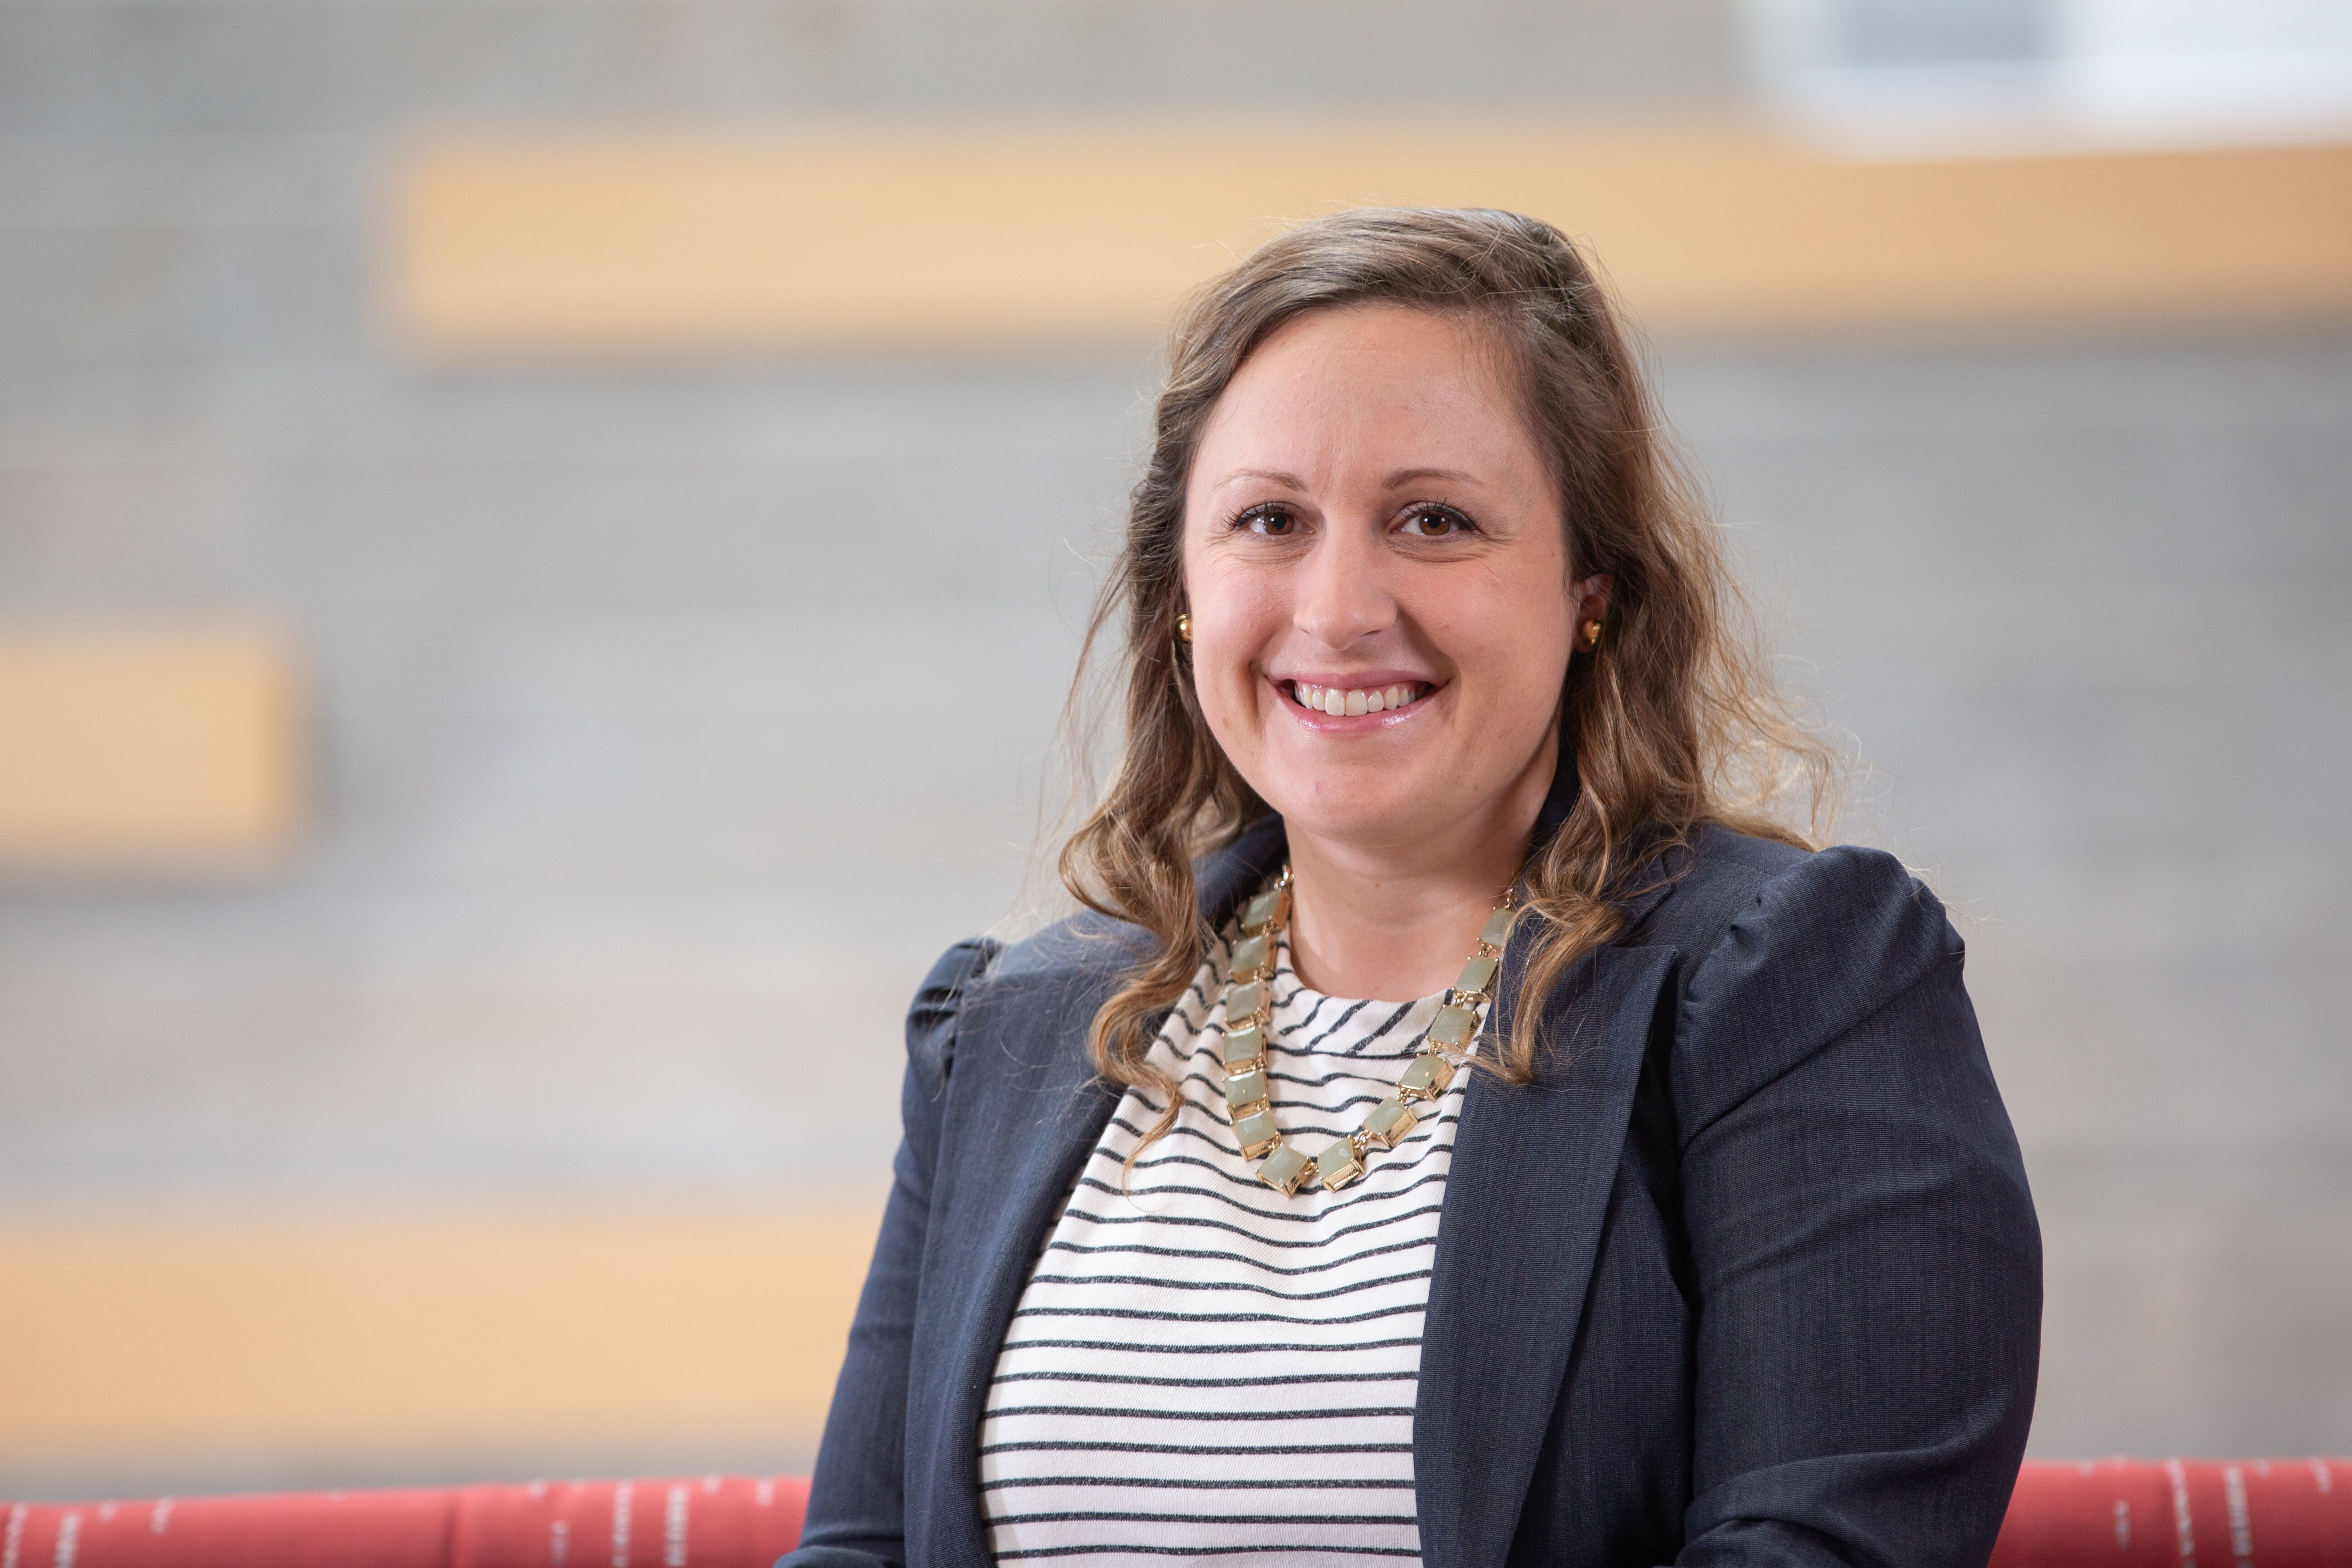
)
(1591, 596)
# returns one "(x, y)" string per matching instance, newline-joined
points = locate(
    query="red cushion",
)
(730, 1521)
(2181, 1513)
(2115, 1513)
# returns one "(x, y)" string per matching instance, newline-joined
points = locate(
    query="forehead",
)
(1388, 384)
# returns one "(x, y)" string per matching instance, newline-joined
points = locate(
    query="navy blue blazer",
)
(1749, 1274)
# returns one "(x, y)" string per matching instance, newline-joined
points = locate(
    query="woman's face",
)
(1377, 573)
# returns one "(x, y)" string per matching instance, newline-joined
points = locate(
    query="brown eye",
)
(1272, 521)
(1438, 522)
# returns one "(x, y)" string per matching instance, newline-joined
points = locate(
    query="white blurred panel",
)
(1903, 76)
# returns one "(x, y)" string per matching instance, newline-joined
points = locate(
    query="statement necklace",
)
(1249, 1012)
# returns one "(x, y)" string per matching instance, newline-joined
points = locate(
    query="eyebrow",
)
(1396, 479)
(1403, 476)
(1275, 475)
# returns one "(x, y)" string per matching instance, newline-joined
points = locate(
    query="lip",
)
(1360, 680)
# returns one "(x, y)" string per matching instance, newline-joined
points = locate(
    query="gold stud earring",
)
(1591, 635)
(1183, 628)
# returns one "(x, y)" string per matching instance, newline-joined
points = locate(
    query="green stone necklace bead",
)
(1244, 1045)
(1477, 975)
(1426, 1076)
(1286, 1170)
(1257, 1133)
(1453, 1028)
(1254, 957)
(1390, 1120)
(1338, 1164)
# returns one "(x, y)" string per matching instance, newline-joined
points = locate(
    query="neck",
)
(1393, 920)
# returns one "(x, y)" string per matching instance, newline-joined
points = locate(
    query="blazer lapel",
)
(1529, 1184)
(1009, 1158)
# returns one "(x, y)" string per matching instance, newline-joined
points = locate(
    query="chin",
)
(1356, 812)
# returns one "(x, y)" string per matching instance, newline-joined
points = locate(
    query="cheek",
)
(1224, 671)
(1522, 639)
(1232, 611)
(1231, 614)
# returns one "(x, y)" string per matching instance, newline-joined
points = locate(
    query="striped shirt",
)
(1202, 1368)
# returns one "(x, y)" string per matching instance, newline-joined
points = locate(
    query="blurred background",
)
(541, 546)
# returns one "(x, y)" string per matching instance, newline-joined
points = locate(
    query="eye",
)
(1271, 520)
(1439, 521)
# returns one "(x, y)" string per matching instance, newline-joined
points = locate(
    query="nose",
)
(1342, 596)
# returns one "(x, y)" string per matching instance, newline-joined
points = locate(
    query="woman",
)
(1428, 667)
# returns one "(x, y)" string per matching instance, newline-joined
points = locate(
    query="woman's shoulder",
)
(1749, 915)
(1833, 971)
(1076, 947)
(1091, 948)
(1775, 938)
(1031, 983)
(1713, 865)
(1047, 985)
(1721, 883)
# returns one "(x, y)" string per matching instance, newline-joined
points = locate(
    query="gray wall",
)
(653, 704)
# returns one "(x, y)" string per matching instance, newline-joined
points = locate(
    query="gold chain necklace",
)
(1249, 1012)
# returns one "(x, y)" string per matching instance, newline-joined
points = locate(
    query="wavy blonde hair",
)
(1673, 722)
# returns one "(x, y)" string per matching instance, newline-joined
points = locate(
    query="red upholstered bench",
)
(2220, 1514)
(2118, 1513)
(701, 1523)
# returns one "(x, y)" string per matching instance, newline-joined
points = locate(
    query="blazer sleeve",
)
(856, 1509)
(1867, 1265)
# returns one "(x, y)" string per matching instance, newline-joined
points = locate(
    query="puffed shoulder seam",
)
(1789, 906)
(1847, 922)
(933, 1017)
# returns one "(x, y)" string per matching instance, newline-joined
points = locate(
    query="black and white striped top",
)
(1203, 1369)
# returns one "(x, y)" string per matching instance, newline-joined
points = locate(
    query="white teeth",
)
(1337, 702)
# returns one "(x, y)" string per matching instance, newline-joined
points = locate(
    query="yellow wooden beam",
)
(388, 1337)
(146, 748)
(849, 239)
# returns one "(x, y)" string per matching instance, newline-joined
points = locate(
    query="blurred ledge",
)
(129, 750)
(1033, 237)
(226, 1471)
(421, 1343)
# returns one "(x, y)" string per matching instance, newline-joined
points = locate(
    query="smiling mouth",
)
(1342, 701)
